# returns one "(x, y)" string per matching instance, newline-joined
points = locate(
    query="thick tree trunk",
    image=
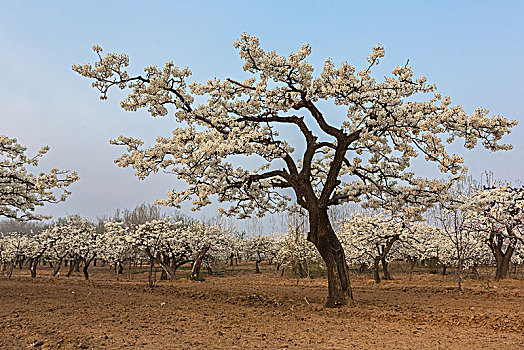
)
(495, 243)
(195, 271)
(326, 241)
(257, 268)
(502, 259)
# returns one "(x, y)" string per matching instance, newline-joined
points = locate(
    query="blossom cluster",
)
(22, 191)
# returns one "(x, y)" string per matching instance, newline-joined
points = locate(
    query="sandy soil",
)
(242, 310)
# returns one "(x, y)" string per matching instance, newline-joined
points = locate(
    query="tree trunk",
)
(158, 259)
(503, 259)
(495, 243)
(257, 269)
(459, 275)
(323, 236)
(412, 263)
(150, 273)
(10, 270)
(195, 271)
(376, 274)
(301, 272)
(71, 267)
(116, 271)
(385, 270)
(33, 263)
(87, 262)
(129, 269)
(57, 267)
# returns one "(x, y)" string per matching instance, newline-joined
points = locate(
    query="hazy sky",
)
(472, 50)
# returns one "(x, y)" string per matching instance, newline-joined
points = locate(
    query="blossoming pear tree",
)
(115, 246)
(361, 154)
(497, 214)
(260, 248)
(458, 244)
(20, 190)
(296, 252)
(374, 239)
(12, 248)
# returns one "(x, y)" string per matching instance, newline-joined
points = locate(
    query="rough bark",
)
(195, 271)
(165, 266)
(502, 258)
(326, 241)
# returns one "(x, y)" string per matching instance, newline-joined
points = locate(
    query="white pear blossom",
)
(22, 191)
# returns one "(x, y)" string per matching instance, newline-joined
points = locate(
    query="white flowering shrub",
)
(22, 191)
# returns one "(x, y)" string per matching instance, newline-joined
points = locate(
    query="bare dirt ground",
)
(242, 310)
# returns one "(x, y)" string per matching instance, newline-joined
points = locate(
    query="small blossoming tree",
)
(362, 154)
(497, 213)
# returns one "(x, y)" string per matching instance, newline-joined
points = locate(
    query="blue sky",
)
(472, 50)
